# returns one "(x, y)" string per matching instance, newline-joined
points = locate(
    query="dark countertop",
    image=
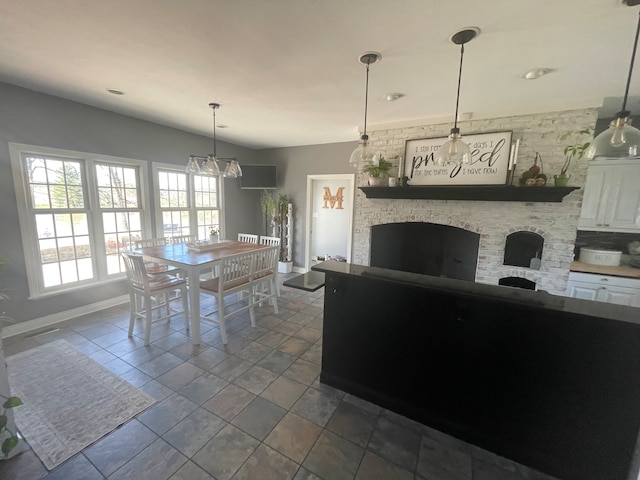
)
(537, 299)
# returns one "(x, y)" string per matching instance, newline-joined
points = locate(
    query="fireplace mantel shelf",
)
(503, 193)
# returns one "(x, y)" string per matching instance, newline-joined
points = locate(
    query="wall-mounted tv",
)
(259, 177)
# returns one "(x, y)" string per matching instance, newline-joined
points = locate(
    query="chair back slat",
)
(181, 239)
(150, 242)
(236, 269)
(248, 237)
(273, 241)
(266, 262)
(136, 270)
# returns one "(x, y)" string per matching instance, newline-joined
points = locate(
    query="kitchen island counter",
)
(550, 382)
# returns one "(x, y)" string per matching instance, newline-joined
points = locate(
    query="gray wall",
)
(37, 119)
(294, 164)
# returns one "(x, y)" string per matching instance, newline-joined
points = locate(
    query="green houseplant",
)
(376, 172)
(579, 142)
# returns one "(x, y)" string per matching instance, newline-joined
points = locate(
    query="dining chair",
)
(181, 239)
(274, 241)
(154, 268)
(235, 274)
(264, 277)
(247, 237)
(144, 289)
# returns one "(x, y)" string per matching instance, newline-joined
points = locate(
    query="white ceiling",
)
(286, 72)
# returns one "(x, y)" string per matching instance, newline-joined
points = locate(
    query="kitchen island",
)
(550, 382)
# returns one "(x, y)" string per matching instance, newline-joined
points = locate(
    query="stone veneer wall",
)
(555, 222)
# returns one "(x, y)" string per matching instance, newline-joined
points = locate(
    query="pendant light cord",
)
(455, 120)
(366, 100)
(214, 133)
(633, 56)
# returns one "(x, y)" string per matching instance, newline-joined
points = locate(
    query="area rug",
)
(69, 400)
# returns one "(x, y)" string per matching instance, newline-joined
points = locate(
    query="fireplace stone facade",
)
(556, 223)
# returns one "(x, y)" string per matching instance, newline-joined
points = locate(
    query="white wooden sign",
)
(489, 161)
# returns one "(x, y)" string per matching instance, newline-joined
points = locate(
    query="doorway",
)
(329, 218)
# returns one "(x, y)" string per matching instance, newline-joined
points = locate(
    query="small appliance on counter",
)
(594, 256)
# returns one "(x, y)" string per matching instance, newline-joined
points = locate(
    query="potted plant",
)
(9, 437)
(376, 172)
(285, 228)
(579, 141)
(214, 235)
(269, 206)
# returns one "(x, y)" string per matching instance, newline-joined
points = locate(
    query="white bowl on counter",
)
(594, 256)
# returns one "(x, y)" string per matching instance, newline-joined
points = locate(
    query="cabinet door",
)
(612, 196)
(620, 296)
(595, 192)
(623, 204)
(582, 290)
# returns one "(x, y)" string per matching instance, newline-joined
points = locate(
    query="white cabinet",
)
(604, 288)
(611, 199)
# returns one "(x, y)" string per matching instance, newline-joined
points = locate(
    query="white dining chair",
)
(145, 290)
(154, 268)
(273, 241)
(181, 239)
(247, 237)
(235, 274)
(264, 278)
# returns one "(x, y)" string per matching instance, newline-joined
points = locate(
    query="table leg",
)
(194, 300)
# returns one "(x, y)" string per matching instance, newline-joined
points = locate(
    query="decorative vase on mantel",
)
(214, 238)
(561, 180)
(375, 181)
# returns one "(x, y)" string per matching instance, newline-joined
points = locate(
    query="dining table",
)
(194, 258)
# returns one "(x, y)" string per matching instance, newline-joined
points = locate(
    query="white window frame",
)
(193, 210)
(26, 216)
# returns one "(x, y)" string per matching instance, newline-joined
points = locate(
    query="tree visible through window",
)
(76, 215)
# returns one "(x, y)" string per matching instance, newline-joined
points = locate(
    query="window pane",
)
(51, 275)
(44, 225)
(48, 251)
(85, 269)
(69, 271)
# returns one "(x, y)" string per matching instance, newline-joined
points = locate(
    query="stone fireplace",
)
(547, 227)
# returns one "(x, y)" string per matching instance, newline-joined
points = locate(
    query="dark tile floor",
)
(253, 409)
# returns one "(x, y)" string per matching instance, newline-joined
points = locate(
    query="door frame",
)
(349, 177)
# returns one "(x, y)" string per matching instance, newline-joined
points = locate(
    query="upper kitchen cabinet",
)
(611, 199)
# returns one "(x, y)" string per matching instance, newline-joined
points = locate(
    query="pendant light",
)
(363, 154)
(620, 140)
(455, 150)
(210, 164)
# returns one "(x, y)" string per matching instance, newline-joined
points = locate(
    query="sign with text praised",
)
(489, 163)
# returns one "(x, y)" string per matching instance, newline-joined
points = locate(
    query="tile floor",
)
(253, 409)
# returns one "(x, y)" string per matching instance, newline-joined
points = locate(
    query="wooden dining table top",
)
(180, 253)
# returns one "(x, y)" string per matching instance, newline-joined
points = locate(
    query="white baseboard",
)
(55, 318)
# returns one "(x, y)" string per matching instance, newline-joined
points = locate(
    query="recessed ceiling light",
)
(392, 97)
(115, 91)
(535, 73)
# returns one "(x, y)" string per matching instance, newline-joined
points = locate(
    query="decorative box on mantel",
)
(503, 193)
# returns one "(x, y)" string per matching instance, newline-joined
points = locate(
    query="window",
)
(76, 213)
(187, 204)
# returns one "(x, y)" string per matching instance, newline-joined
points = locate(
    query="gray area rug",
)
(70, 400)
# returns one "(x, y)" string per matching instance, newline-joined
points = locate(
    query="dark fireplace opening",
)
(517, 282)
(426, 248)
(523, 249)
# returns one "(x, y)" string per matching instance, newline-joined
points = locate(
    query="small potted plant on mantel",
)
(579, 142)
(376, 172)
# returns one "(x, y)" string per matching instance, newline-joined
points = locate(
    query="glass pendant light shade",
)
(210, 166)
(233, 170)
(363, 154)
(620, 140)
(454, 150)
(192, 165)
